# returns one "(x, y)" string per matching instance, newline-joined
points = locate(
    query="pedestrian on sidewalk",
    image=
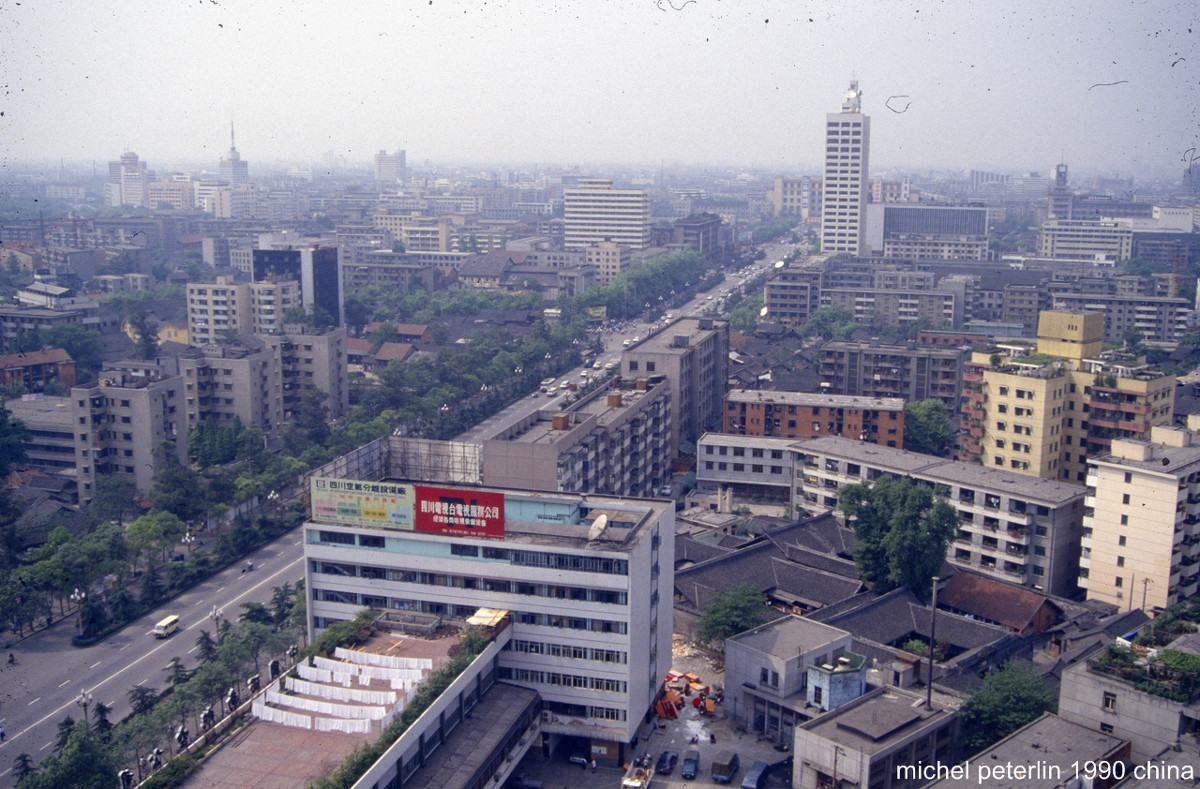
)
(593, 760)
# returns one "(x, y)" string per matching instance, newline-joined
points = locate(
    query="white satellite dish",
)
(598, 526)
(762, 313)
(778, 264)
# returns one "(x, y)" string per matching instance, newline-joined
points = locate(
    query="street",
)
(50, 674)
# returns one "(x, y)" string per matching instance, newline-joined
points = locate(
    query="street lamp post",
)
(77, 597)
(187, 540)
(216, 614)
(84, 700)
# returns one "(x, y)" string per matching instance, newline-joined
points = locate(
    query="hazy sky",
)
(1021, 84)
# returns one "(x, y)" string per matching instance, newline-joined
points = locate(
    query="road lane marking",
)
(35, 701)
(47, 745)
(67, 705)
(65, 682)
(98, 662)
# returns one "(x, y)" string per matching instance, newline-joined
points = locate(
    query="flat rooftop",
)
(789, 636)
(460, 755)
(1048, 746)
(815, 399)
(943, 470)
(874, 724)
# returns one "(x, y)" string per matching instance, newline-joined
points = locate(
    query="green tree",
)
(142, 699)
(1011, 697)
(177, 489)
(114, 498)
(81, 344)
(82, 762)
(927, 428)
(739, 609)
(902, 532)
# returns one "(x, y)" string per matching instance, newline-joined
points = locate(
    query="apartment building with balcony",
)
(1043, 411)
(912, 371)
(616, 441)
(1011, 527)
(876, 420)
(260, 379)
(693, 355)
(125, 423)
(232, 383)
(1160, 319)
(792, 293)
(883, 305)
(226, 309)
(609, 258)
(1141, 528)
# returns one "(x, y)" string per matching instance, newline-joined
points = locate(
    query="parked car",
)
(521, 781)
(666, 762)
(691, 764)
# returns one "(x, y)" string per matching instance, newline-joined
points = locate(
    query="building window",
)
(1121, 538)
(1128, 477)
(1109, 704)
(633, 365)
(1106, 728)
(649, 367)
(817, 695)
(1124, 498)
(1124, 522)
(1119, 582)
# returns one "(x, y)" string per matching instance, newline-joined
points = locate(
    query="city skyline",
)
(1017, 88)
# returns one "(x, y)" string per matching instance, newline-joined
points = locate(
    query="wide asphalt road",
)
(44, 685)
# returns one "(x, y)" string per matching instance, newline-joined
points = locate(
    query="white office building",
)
(847, 142)
(587, 581)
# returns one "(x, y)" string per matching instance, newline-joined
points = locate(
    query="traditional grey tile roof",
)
(898, 614)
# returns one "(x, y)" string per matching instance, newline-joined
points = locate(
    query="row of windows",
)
(571, 622)
(755, 468)
(573, 651)
(523, 558)
(776, 454)
(562, 680)
(501, 585)
(464, 611)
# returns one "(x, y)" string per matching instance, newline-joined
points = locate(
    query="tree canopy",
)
(1010, 697)
(927, 428)
(733, 612)
(902, 532)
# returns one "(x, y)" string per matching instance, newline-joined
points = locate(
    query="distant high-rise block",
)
(595, 212)
(390, 166)
(847, 143)
(233, 169)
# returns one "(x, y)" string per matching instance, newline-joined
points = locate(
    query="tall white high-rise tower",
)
(233, 169)
(847, 142)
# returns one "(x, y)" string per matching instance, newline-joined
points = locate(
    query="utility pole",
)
(932, 642)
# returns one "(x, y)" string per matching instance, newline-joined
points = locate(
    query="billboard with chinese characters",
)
(355, 502)
(462, 512)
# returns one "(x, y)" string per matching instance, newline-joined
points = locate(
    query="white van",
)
(166, 627)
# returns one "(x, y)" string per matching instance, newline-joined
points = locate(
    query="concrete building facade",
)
(751, 412)
(1141, 539)
(693, 355)
(768, 668)
(872, 369)
(616, 442)
(585, 579)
